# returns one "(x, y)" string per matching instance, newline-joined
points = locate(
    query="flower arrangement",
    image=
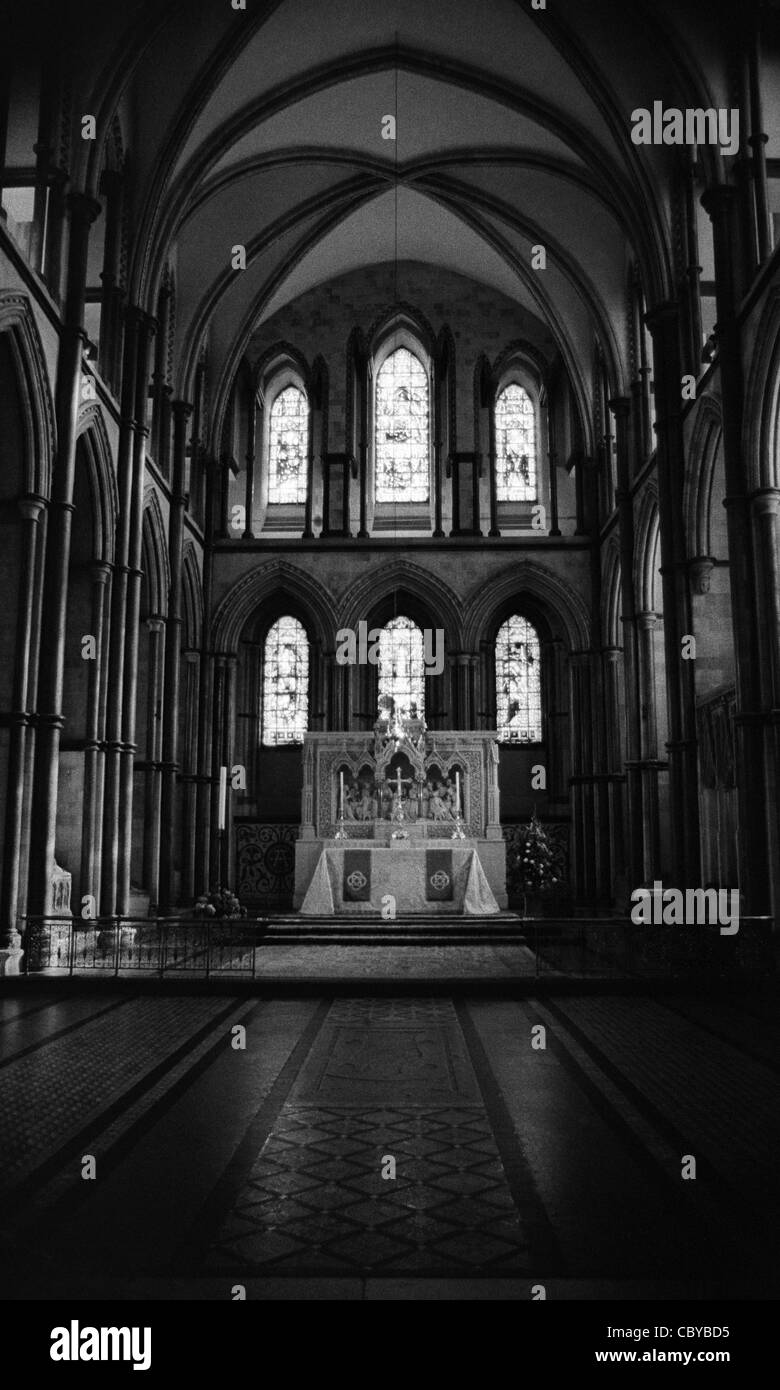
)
(219, 902)
(535, 860)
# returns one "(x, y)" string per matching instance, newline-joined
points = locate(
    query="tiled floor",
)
(272, 1164)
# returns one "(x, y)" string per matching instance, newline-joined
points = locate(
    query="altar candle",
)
(222, 798)
(341, 793)
(457, 793)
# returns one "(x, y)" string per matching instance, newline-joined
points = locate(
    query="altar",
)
(397, 794)
(429, 877)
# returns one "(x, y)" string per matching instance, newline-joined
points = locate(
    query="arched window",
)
(285, 682)
(516, 472)
(288, 447)
(402, 430)
(401, 670)
(518, 682)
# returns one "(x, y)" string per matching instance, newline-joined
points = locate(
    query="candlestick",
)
(222, 798)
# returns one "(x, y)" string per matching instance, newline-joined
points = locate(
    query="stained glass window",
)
(288, 446)
(402, 432)
(285, 682)
(518, 682)
(515, 446)
(401, 670)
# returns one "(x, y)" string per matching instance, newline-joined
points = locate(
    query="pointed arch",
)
(566, 611)
(91, 428)
(761, 433)
(646, 557)
(192, 592)
(18, 321)
(155, 556)
(611, 597)
(402, 577)
(279, 579)
(702, 457)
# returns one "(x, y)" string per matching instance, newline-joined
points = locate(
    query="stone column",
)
(160, 370)
(765, 506)
(156, 629)
(216, 856)
(31, 509)
(91, 828)
(362, 368)
(664, 326)
(758, 141)
(173, 643)
(116, 659)
(50, 720)
(439, 404)
(755, 790)
(132, 623)
(187, 820)
(622, 408)
(112, 187)
(251, 450)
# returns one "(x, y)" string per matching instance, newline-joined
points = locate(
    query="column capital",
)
(82, 207)
(718, 197)
(646, 621)
(155, 624)
(620, 406)
(181, 408)
(100, 571)
(662, 316)
(31, 506)
(700, 571)
(766, 502)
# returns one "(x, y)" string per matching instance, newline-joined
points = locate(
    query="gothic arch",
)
(405, 318)
(551, 592)
(277, 358)
(761, 435)
(105, 502)
(17, 320)
(155, 557)
(379, 584)
(241, 602)
(700, 477)
(192, 593)
(611, 597)
(646, 556)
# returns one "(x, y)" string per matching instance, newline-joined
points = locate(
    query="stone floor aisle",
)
(514, 1164)
(388, 1085)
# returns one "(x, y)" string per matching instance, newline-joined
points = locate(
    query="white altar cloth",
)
(399, 870)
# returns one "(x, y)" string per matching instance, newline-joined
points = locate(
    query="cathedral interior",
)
(390, 572)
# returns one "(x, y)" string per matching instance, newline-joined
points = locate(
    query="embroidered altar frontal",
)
(440, 878)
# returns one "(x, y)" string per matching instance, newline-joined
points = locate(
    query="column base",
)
(10, 961)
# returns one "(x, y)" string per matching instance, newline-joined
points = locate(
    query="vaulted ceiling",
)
(264, 127)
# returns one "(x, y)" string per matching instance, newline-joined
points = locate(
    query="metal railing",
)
(182, 947)
(159, 946)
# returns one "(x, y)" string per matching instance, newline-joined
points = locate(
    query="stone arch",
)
(276, 578)
(17, 320)
(155, 556)
(379, 584)
(761, 434)
(646, 558)
(700, 477)
(192, 595)
(611, 597)
(551, 593)
(91, 429)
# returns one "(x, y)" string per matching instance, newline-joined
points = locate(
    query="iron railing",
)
(159, 946)
(181, 947)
